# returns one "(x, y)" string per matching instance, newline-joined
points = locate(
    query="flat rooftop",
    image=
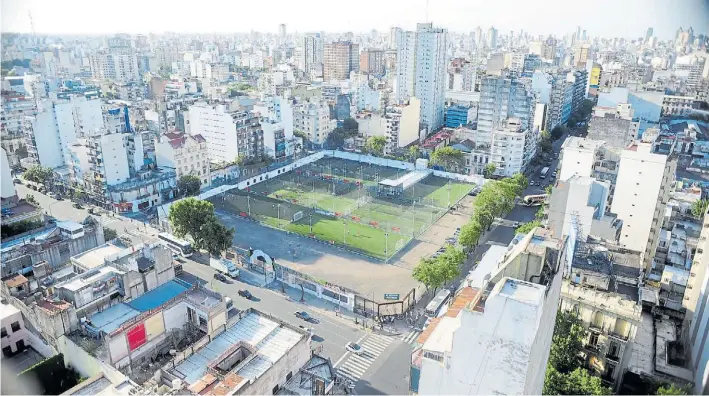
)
(89, 278)
(96, 257)
(112, 318)
(6, 310)
(160, 295)
(269, 338)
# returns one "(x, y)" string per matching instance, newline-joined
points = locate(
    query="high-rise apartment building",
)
(313, 119)
(461, 76)
(312, 51)
(695, 302)
(340, 58)
(405, 65)
(282, 32)
(648, 34)
(503, 97)
(229, 132)
(641, 193)
(372, 61)
(57, 125)
(430, 75)
(560, 101)
(492, 38)
(421, 71)
(582, 55)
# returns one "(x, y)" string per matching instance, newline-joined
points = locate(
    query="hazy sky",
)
(624, 18)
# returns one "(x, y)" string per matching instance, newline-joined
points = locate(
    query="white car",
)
(354, 348)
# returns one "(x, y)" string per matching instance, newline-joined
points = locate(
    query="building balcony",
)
(613, 357)
(596, 349)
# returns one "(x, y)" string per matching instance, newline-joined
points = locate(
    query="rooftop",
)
(97, 256)
(89, 278)
(160, 295)
(270, 339)
(112, 318)
(7, 310)
(15, 280)
(302, 383)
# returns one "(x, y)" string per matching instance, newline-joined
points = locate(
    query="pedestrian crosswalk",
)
(410, 337)
(355, 365)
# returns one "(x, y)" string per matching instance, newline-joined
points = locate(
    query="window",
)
(3, 333)
(275, 389)
(15, 326)
(593, 339)
(289, 376)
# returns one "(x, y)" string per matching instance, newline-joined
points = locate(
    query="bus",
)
(176, 245)
(534, 200)
(434, 307)
(543, 173)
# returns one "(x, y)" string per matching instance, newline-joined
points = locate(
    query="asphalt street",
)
(63, 210)
(332, 332)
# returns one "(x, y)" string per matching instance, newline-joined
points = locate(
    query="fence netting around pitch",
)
(340, 202)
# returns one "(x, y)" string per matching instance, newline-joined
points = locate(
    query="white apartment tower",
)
(57, 125)
(229, 133)
(431, 73)
(187, 154)
(641, 193)
(405, 65)
(313, 48)
(313, 119)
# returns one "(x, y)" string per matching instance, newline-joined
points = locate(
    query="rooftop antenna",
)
(34, 33)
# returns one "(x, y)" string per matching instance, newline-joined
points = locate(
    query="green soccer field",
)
(378, 228)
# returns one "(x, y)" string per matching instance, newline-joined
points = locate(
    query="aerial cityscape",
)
(392, 198)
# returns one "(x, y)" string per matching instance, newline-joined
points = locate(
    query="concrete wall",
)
(56, 254)
(14, 336)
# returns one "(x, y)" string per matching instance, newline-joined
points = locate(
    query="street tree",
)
(427, 272)
(528, 226)
(470, 234)
(699, 208)
(39, 174)
(449, 158)
(548, 189)
(375, 145)
(558, 132)
(189, 185)
(449, 263)
(188, 215)
(214, 237)
(31, 199)
(350, 125)
(545, 142)
(240, 160)
(414, 153)
(489, 170)
(109, 234)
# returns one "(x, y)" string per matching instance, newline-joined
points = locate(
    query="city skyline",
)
(557, 17)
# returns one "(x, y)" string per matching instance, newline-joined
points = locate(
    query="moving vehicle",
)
(543, 173)
(176, 245)
(534, 200)
(354, 348)
(246, 294)
(224, 266)
(220, 277)
(305, 316)
(437, 303)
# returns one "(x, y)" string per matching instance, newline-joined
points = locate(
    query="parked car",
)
(305, 316)
(52, 194)
(354, 348)
(77, 205)
(17, 181)
(220, 277)
(246, 294)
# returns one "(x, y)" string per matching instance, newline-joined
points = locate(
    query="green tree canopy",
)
(558, 132)
(545, 142)
(449, 158)
(38, 174)
(189, 185)
(566, 342)
(414, 152)
(214, 237)
(109, 234)
(671, 389)
(528, 226)
(489, 170)
(195, 218)
(426, 272)
(699, 208)
(350, 125)
(187, 216)
(578, 382)
(375, 145)
(470, 234)
(436, 272)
